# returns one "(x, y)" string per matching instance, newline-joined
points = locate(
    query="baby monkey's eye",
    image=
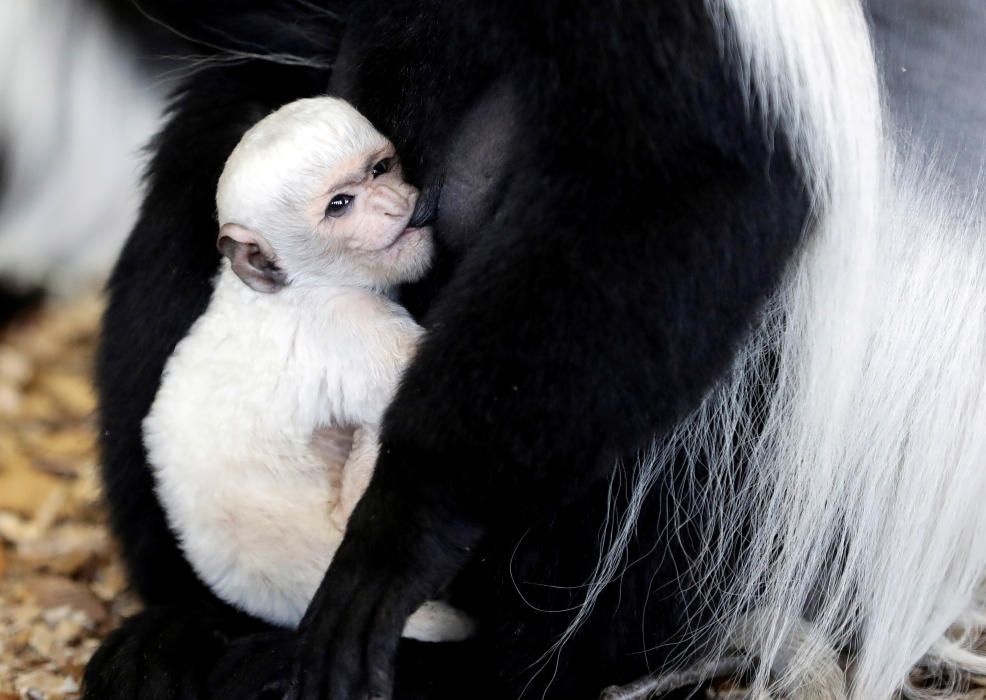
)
(339, 205)
(382, 167)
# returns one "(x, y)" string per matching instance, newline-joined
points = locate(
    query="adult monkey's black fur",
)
(614, 216)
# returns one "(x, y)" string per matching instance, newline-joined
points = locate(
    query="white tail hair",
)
(861, 508)
(858, 524)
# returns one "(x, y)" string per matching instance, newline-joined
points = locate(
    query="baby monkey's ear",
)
(252, 258)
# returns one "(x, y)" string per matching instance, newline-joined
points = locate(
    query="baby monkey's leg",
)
(334, 445)
(435, 620)
(356, 473)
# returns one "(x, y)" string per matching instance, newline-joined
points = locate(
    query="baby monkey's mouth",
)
(407, 230)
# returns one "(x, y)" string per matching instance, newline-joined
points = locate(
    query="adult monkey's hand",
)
(401, 547)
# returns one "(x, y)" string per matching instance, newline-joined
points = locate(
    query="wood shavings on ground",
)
(62, 587)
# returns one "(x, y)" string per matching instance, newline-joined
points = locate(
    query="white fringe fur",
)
(862, 517)
(74, 113)
(866, 491)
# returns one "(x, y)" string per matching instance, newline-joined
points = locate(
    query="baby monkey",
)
(263, 433)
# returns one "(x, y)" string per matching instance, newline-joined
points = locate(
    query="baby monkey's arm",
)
(387, 346)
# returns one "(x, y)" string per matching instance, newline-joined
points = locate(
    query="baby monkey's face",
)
(364, 213)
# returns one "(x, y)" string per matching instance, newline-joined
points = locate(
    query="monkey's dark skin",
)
(611, 219)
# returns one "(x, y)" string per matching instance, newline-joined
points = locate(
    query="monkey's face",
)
(364, 214)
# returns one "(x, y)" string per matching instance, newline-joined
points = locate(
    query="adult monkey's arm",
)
(647, 216)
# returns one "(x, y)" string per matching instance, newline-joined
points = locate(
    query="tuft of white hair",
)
(74, 113)
(858, 403)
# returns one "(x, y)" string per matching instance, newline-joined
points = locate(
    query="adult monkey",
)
(620, 187)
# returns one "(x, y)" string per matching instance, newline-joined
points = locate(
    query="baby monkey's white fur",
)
(293, 363)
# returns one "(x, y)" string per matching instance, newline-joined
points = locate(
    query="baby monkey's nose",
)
(393, 202)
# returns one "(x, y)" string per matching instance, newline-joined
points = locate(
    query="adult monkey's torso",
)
(468, 94)
(452, 113)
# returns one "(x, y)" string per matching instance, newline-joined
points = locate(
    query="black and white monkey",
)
(263, 434)
(80, 95)
(692, 316)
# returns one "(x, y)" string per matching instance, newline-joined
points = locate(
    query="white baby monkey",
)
(263, 434)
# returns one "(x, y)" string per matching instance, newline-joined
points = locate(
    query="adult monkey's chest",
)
(433, 77)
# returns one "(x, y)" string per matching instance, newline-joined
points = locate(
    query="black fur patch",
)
(16, 301)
